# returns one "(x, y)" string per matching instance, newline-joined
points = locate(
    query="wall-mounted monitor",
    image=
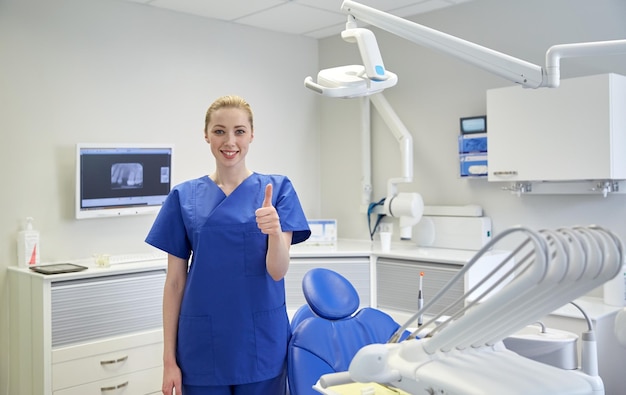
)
(121, 179)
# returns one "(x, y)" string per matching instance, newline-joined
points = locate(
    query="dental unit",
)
(465, 354)
(369, 80)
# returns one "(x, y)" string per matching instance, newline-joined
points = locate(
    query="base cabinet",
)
(132, 365)
(137, 383)
(92, 332)
(397, 284)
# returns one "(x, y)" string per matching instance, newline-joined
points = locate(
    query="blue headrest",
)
(329, 294)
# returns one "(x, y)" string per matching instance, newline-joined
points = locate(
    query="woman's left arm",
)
(277, 258)
(279, 242)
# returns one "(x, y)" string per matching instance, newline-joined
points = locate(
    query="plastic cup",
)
(385, 241)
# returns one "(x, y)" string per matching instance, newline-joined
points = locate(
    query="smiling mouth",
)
(229, 154)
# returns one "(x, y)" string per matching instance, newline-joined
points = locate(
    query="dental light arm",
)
(409, 207)
(556, 52)
(527, 74)
(369, 80)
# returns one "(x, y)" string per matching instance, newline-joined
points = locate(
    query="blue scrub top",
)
(233, 326)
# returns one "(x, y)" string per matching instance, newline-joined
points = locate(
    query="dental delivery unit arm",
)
(464, 354)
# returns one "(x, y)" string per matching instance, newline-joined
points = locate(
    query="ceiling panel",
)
(383, 5)
(420, 8)
(294, 18)
(224, 10)
(311, 18)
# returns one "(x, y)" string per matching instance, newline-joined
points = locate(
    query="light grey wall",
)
(110, 71)
(435, 90)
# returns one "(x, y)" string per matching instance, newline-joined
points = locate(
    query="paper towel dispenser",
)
(576, 132)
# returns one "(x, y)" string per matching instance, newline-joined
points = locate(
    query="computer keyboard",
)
(138, 257)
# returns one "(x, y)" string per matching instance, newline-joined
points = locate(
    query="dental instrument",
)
(420, 301)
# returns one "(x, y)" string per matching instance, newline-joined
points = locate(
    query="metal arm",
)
(519, 71)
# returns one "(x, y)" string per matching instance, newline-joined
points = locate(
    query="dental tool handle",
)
(420, 301)
(589, 354)
(308, 82)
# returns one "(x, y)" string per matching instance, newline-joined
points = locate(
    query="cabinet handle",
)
(114, 387)
(112, 361)
(505, 173)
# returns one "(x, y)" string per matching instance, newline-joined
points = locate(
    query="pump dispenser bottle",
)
(28, 245)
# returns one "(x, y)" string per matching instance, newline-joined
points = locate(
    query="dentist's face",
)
(229, 133)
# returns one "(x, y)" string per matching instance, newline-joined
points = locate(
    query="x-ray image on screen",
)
(121, 179)
(126, 175)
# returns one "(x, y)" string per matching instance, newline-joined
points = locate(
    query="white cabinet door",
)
(574, 132)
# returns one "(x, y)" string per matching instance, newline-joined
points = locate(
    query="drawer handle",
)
(114, 387)
(112, 361)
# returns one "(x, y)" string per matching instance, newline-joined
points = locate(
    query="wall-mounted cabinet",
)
(571, 133)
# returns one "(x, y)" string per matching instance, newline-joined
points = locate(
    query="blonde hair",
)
(230, 101)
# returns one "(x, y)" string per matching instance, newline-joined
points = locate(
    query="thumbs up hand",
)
(267, 217)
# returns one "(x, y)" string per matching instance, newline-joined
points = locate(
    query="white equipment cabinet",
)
(93, 332)
(574, 132)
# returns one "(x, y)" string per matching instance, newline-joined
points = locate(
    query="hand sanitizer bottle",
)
(28, 245)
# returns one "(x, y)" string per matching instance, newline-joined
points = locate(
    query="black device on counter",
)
(57, 268)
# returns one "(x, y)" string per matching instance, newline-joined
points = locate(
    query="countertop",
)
(399, 250)
(408, 250)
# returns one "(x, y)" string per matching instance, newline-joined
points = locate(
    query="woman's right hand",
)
(172, 379)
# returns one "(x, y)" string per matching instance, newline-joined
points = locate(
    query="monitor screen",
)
(121, 179)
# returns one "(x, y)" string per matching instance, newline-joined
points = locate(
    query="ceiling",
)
(311, 18)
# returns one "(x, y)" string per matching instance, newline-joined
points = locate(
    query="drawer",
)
(139, 383)
(106, 366)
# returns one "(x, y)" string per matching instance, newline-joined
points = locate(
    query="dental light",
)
(369, 80)
(355, 80)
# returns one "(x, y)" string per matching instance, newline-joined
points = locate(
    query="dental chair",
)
(327, 332)
(300, 315)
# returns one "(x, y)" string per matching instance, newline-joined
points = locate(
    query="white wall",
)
(435, 90)
(107, 71)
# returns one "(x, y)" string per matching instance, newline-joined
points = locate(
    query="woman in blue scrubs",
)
(227, 236)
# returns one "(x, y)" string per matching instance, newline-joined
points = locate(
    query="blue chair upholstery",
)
(301, 314)
(329, 334)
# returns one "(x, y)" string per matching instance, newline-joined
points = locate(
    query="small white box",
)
(323, 232)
